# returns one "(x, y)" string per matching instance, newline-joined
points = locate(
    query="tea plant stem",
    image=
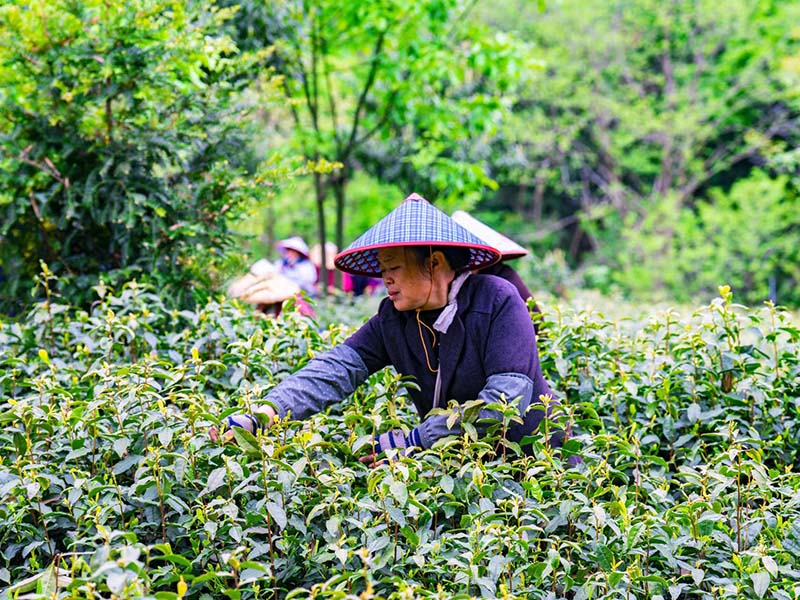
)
(143, 412)
(774, 340)
(40, 514)
(310, 463)
(94, 445)
(47, 274)
(739, 501)
(116, 412)
(667, 349)
(395, 536)
(109, 337)
(505, 429)
(157, 478)
(119, 498)
(695, 370)
(637, 473)
(615, 396)
(647, 562)
(436, 505)
(41, 517)
(264, 473)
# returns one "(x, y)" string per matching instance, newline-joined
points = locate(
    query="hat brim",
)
(364, 260)
(267, 289)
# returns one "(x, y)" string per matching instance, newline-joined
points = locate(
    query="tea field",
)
(110, 487)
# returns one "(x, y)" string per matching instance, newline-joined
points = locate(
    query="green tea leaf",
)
(216, 478)
(760, 581)
(277, 513)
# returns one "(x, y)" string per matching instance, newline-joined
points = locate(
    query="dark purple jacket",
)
(489, 350)
(501, 269)
(491, 327)
(504, 271)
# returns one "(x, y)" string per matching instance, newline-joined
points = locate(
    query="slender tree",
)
(416, 77)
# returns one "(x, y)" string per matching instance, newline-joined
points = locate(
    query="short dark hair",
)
(457, 256)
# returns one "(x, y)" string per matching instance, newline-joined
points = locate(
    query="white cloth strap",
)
(442, 324)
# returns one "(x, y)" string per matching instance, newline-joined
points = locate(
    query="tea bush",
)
(125, 147)
(111, 488)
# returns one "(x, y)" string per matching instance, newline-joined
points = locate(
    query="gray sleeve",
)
(325, 380)
(514, 386)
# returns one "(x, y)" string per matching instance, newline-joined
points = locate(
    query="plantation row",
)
(111, 487)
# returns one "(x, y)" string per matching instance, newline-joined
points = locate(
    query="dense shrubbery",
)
(748, 235)
(659, 141)
(110, 486)
(123, 151)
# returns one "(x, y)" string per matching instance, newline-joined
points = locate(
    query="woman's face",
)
(408, 287)
(291, 256)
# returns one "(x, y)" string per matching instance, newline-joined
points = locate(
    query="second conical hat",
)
(507, 247)
(264, 289)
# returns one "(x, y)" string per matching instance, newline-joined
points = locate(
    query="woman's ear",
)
(437, 260)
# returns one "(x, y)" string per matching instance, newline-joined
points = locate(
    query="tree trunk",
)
(320, 191)
(538, 194)
(339, 185)
(269, 228)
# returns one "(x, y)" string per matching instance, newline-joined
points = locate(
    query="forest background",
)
(640, 147)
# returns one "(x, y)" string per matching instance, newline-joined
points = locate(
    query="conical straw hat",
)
(508, 247)
(295, 243)
(415, 222)
(265, 289)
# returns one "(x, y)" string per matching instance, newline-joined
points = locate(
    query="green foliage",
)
(643, 108)
(748, 236)
(109, 484)
(292, 212)
(549, 273)
(408, 92)
(119, 145)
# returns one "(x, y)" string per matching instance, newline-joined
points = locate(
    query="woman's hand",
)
(371, 460)
(247, 422)
(405, 445)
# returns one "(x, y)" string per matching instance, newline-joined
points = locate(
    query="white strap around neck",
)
(448, 314)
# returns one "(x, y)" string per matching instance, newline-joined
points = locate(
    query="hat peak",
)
(414, 197)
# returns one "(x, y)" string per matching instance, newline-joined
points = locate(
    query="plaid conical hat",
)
(415, 222)
(508, 247)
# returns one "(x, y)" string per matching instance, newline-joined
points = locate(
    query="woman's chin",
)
(400, 305)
